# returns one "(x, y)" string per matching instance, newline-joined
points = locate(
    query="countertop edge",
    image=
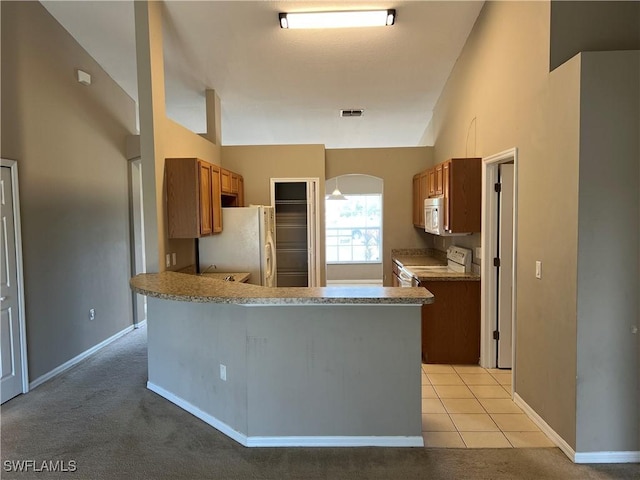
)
(190, 288)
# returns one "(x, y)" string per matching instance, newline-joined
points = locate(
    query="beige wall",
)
(258, 164)
(162, 138)
(583, 26)
(396, 167)
(501, 95)
(498, 97)
(69, 141)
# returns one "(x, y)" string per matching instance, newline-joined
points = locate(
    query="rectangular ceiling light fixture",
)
(363, 18)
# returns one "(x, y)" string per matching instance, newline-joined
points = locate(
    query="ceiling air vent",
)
(352, 113)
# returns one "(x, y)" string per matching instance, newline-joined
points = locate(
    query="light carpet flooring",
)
(100, 415)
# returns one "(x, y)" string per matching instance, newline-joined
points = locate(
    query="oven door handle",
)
(405, 276)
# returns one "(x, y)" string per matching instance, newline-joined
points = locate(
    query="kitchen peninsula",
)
(326, 366)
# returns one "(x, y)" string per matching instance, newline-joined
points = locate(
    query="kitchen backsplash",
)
(471, 242)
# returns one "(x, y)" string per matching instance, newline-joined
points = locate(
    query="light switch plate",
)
(538, 269)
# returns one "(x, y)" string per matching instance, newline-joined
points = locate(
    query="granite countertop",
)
(239, 277)
(429, 257)
(201, 289)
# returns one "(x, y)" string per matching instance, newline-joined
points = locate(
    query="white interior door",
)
(11, 328)
(505, 276)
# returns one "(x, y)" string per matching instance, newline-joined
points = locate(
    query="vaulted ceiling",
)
(287, 86)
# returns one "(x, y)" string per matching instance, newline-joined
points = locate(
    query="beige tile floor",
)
(468, 406)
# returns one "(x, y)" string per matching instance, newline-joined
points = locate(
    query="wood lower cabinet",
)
(451, 325)
(193, 198)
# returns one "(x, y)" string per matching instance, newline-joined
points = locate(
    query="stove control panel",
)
(459, 256)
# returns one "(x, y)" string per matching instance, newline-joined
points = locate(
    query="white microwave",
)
(434, 217)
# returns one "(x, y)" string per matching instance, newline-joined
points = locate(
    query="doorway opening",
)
(499, 233)
(353, 230)
(138, 261)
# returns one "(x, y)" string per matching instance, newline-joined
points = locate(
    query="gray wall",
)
(583, 26)
(609, 253)
(69, 142)
(292, 370)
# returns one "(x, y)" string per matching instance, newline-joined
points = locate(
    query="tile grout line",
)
(475, 397)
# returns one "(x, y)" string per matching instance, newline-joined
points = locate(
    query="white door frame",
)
(489, 241)
(13, 166)
(136, 225)
(314, 280)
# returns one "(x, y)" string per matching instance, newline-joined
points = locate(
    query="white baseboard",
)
(580, 457)
(196, 412)
(607, 457)
(78, 358)
(141, 324)
(345, 441)
(302, 441)
(544, 426)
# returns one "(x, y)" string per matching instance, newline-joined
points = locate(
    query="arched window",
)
(354, 225)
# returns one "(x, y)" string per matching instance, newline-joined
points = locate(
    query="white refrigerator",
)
(246, 244)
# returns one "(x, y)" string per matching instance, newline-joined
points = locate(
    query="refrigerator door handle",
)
(269, 257)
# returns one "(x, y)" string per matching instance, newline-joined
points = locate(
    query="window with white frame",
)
(354, 229)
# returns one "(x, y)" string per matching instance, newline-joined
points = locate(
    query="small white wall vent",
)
(358, 112)
(83, 77)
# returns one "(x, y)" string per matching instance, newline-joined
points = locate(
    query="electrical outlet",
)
(92, 314)
(173, 258)
(478, 253)
(168, 260)
(223, 372)
(538, 269)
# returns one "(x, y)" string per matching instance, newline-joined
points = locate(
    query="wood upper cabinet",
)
(193, 198)
(226, 180)
(232, 187)
(432, 182)
(446, 168)
(438, 180)
(463, 211)
(420, 192)
(459, 182)
(216, 204)
(206, 198)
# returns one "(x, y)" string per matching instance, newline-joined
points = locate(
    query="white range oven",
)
(458, 261)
